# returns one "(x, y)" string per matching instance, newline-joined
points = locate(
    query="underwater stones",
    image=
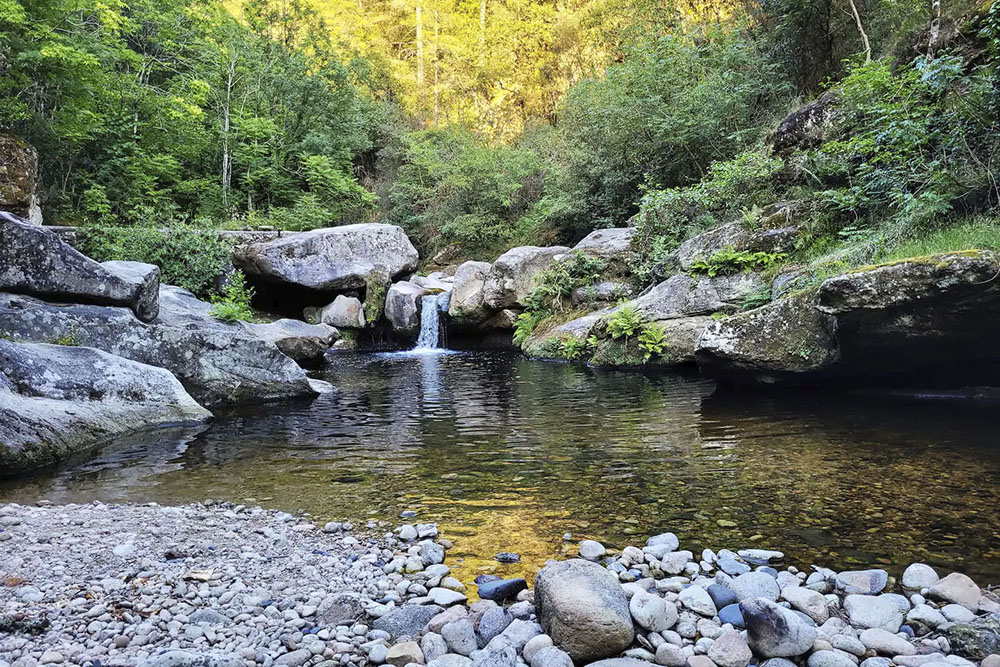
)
(583, 608)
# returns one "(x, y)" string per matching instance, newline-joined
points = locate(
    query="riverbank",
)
(217, 585)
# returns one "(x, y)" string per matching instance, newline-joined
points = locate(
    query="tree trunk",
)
(227, 160)
(861, 31)
(482, 32)
(935, 32)
(436, 65)
(420, 54)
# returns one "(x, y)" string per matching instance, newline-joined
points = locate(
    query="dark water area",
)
(508, 454)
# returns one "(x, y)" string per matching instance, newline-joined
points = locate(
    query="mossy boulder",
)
(736, 236)
(785, 338)
(18, 178)
(682, 295)
(543, 342)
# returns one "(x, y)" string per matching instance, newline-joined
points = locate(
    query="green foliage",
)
(374, 301)
(185, 111)
(914, 143)
(729, 261)
(756, 298)
(732, 187)
(448, 186)
(234, 304)
(673, 107)
(556, 283)
(652, 341)
(189, 257)
(625, 323)
(525, 325)
(978, 232)
(572, 349)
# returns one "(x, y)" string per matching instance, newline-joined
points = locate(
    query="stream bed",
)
(508, 454)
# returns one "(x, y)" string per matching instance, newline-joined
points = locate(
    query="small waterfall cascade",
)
(431, 307)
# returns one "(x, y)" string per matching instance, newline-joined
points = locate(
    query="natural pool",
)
(508, 454)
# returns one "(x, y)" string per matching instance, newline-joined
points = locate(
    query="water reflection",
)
(509, 454)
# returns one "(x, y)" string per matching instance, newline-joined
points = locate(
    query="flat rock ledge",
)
(223, 585)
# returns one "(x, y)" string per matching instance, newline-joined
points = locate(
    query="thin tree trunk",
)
(436, 67)
(420, 54)
(227, 160)
(482, 32)
(935, 31)
(861, 31)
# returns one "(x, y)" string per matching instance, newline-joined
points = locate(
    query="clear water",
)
(508, 454)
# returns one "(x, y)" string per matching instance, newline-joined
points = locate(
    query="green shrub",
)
(571, 348)
(188, 257)
(625, 322)
(525, 325)
(729, 261)
(732, 188)
(234, 304)
(556, 283)
(652, 341)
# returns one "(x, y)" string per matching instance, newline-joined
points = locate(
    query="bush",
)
(192, 258)
(556, 283)
(625, 323)
(732, 187)
(652, 341)
(234, 304)
(729, 261)
(525, 325)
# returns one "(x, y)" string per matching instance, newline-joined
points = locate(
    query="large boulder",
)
(808, 126)
(737, 237)
(402, 307)
(582, 607)
(542, 344)
(685, 296)
(513, 274)
(613, 244)
(19, 178)
(334, 259)
(58, 400)
(217, 363)
(35, 261)
(789, 337)
(346, 312)
(926, 311)
(305, 343)
(680, 338)
(468, 293)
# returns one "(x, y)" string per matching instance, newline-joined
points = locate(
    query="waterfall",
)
(431, 306)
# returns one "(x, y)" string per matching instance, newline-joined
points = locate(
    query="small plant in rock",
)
(625, 323)
(68, 337)
(558, 281)
(652, 341)
(729, 261)
(234, 304)
(757, 298)
(525, 325)
(571, 348)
